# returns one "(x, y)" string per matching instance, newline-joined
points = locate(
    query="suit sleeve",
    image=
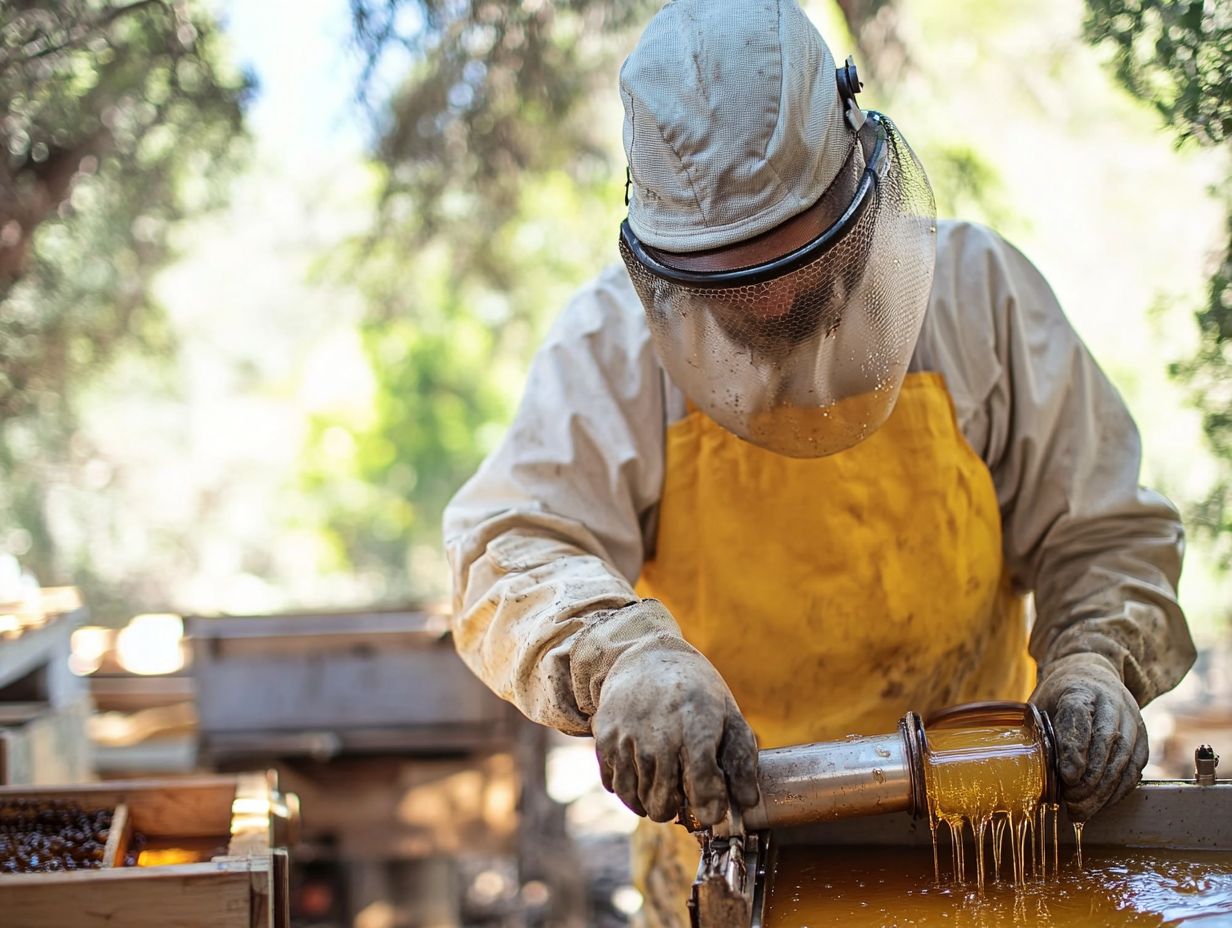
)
(1101, 553)
(546, 541)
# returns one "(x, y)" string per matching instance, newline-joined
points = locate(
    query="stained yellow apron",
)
(833, 594)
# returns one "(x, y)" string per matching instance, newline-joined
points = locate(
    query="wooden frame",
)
(117, 840)
(331, 683)
(43, 745)
(35, 659)
(246, 887)
(43, 704)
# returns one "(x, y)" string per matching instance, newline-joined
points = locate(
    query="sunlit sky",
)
(306, 70)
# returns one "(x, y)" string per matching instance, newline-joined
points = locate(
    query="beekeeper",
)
(790, 468)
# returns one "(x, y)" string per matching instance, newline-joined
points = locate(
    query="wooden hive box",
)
(34, 654)
(223, 826)
(336, 683)
(43, 704)
(44, 745)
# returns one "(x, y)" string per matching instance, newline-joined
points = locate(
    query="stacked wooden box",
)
(43, 705)
(328, 684)
(210, 858)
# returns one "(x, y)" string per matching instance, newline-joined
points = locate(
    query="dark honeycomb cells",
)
(48, 835)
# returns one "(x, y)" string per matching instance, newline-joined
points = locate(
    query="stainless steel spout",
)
(872, 775)
(837, 779)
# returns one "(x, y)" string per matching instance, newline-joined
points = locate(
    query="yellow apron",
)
(833, 594)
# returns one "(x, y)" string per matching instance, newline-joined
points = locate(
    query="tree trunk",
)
(883, 54)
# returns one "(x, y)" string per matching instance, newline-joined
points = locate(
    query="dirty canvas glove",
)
(1101, 740)
(667, 729)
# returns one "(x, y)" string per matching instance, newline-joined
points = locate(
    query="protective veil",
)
(804, 355)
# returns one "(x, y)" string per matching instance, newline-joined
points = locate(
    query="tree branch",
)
(77, 35)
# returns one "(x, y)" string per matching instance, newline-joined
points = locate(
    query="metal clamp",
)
(723, 892)
(911, 727)
(849, 85)
(1205, 762)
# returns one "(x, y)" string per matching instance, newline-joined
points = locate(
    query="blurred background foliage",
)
(1178, 58)
(278, 417)
(119, 121)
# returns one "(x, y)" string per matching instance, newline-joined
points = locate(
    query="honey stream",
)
(988, 780)
(866, 887)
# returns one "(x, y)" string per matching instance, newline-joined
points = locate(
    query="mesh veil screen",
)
(810, 362)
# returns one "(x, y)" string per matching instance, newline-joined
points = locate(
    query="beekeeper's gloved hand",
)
(668, 729)
(1101, 740)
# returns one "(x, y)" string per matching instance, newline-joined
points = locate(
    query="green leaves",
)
(497, 93)
(112, 108)
(1176, 56)
(500, 197)
(1208, 374)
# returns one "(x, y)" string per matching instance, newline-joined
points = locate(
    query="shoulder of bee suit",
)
(601, 350)
(604, 319)
(978, 278)
(586, 443)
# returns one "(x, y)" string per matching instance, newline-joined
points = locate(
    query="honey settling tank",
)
(868, 795)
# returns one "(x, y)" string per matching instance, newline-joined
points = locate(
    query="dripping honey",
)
(864, 887)
(988, 780)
